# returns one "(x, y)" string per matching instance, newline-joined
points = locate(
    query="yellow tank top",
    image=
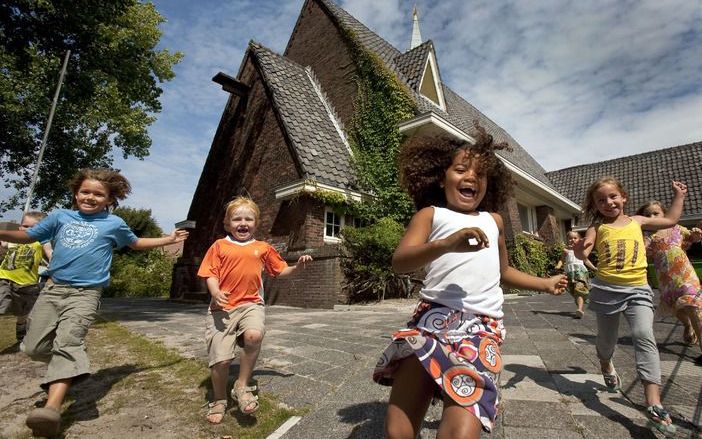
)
(621, 254)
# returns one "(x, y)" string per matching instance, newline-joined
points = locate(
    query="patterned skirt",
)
(459, 350)
(578, 283)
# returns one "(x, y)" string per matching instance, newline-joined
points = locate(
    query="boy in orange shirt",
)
(232, 267)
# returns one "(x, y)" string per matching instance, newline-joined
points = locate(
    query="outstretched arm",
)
(511, 276)
(583, 247)
(671, 217)
(16, 236)
(300, 263)
(177, 235)
(414, 252)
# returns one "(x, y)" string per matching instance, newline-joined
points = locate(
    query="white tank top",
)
(469, 281)
(573, 264)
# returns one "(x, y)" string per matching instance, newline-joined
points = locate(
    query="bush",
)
(140, 274)
(367, 265)
(531, 255)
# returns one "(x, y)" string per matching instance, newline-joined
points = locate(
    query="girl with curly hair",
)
(451, 347)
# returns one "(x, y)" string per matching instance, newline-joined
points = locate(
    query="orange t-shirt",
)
(238, 266)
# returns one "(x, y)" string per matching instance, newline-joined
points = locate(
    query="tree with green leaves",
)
(109, 97)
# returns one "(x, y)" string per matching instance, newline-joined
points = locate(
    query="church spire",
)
(416, 36)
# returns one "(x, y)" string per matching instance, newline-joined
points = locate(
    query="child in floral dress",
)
(679, 285)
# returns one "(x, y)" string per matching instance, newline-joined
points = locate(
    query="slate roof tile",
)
(646, 176)
(306, 120)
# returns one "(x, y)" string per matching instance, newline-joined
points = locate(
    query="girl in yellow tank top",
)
(620, 286)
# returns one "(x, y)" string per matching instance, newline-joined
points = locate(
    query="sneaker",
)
(44, 422)
(579, 314)
(20, 331)
(659, 419)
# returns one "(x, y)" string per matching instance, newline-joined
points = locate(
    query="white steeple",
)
(416, 36)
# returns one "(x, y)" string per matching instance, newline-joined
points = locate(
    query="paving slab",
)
(321, 361)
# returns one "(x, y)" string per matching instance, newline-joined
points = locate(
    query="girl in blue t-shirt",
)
(83, 240)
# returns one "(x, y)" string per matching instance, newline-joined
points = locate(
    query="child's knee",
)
(252, 338)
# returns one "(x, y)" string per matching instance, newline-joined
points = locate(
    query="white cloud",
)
(573, 81)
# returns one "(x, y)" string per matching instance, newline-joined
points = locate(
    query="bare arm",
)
(517, 279)
(583, 248)
(48, 250)
(177, 235)
(589, 264)
(16, 236)
(300, 263)
(219, 296)
(414, 252)
(671, 217)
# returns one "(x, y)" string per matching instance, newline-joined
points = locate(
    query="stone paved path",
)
(321, 360)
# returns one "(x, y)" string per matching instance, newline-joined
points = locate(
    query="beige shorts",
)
(224, 327)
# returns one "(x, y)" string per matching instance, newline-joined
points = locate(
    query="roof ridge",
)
(333, 115)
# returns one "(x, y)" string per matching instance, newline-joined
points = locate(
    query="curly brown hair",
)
(423, 162)
(589, 207)
(117, 185)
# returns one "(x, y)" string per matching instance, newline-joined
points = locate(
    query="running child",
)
(19, 275)
(678, 284)
(232, 268)
(621, 287)
(577, 272)
(79, 270)
(451, 348)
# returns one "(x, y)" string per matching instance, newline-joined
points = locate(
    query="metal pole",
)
(35, 177)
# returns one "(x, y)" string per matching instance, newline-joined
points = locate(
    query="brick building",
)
(282, 135)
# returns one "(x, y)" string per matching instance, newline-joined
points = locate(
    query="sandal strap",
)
(658, 411)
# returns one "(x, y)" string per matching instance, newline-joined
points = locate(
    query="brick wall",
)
(549, 229)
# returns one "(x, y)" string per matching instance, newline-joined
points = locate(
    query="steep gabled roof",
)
(645, 176)
(411, 63)
(308, 120)
(458, 111)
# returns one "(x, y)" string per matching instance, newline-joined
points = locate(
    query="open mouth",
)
(468, 192)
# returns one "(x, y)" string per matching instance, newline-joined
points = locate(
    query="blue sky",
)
(573, 82)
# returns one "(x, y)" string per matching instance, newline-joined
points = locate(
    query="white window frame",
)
(331, 239)
(529, 224)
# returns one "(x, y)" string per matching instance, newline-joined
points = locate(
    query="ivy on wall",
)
(381, 104)
(533, 256)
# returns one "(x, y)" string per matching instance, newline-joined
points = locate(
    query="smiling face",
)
(609, 201)
(241, 224)
(572, 239)
(464, 183)
(92, 197)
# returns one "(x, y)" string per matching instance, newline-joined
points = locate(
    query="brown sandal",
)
(216, 408)
(248, 402)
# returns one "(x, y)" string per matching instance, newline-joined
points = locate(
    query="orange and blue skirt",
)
(459, 350)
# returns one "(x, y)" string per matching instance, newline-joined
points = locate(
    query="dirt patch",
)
(139, 389)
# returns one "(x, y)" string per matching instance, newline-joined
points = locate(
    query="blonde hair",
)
(589, 207)
(573, 233)
(237, 203)
(34, 215)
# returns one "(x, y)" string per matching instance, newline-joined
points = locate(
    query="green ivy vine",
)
(381, 104)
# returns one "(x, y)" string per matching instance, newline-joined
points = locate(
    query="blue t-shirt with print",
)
(82, 244)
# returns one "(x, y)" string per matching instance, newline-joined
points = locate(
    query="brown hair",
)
(117, 185)
(237, 203)
(645, 210)
(423, 162)
(589, 207)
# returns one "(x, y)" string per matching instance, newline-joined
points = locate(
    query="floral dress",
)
(677, 281)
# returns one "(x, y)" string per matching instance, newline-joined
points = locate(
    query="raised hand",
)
(679, 188)
(179, 235)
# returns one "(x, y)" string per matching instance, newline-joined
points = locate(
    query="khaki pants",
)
(57, 327)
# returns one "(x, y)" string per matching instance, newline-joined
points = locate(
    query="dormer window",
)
(430, 87)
